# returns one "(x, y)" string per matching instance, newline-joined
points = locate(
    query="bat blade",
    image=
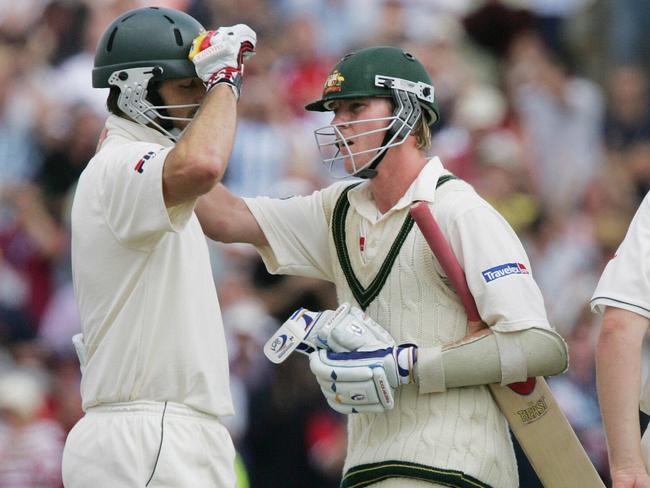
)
(534, 416)
(546, 437)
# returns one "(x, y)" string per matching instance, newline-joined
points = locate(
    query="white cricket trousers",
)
(148, 444)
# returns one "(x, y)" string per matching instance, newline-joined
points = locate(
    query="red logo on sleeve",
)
(139, 167)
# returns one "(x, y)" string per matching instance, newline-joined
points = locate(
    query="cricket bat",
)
(535, 418)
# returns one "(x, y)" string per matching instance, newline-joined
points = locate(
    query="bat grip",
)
(442, 251)
(450, 265)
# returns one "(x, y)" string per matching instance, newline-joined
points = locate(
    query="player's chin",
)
(348, 166)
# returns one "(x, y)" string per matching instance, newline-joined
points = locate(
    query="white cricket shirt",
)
(495, 263)
(150, 317)
(625, 282)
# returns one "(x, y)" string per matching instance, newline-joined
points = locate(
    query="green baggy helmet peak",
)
(372, 72)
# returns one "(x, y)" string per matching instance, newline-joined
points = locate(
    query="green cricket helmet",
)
(381, 71)
(140, 46)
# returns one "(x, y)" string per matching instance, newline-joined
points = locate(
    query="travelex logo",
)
(503, 270)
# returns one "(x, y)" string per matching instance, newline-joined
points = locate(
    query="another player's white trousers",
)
(152, 444)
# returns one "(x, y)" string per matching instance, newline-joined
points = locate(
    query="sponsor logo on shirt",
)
(503, 270)
(139, 167)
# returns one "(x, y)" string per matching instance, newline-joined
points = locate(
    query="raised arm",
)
(225, 217)
(199, 159)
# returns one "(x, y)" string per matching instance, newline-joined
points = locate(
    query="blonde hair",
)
(422, 134)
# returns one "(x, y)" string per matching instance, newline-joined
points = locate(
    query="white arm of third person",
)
(618, 366)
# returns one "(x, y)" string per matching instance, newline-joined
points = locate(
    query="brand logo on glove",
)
(281, 344)
(355, 329)
(278, 343)
(503, 270)
(358, 397)
(385, 391)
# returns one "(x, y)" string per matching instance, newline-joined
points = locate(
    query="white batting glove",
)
(219, 55)
(345, 329)
(363, 381)
(348, 328)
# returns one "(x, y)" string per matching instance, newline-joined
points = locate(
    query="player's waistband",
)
(151, 407)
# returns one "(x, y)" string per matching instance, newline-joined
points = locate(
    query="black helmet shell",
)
(150, 36)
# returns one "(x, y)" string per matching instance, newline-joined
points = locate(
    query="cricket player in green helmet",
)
(396, 356)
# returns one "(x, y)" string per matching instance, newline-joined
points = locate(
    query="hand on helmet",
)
(219, 55)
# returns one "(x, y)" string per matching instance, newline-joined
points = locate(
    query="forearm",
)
(618, 365)
(199, 159)
(225, 217)
(209, 138)
(478, 360)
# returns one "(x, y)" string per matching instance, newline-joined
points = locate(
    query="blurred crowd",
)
(544, 109)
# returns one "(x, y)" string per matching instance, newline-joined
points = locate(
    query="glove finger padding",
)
(355, 379)
(351, 329)
(218, 55)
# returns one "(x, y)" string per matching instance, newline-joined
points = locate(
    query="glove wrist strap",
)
(406, 356)
(230, 76)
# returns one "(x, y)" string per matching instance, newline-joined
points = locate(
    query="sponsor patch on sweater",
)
(502, 270)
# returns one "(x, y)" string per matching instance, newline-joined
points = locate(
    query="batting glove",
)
(345, 329)
(363, 381)
(219, 55)
(348, 328)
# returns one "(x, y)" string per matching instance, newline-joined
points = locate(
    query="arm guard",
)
(496, 357)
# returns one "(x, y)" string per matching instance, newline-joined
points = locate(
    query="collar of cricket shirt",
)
(423, 188)
(136, 132)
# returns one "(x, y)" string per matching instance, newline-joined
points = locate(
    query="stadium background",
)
(544, 109)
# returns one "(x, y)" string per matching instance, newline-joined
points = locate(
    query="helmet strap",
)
(140, 104)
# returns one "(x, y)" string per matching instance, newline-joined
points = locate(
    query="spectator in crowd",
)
(30, 443)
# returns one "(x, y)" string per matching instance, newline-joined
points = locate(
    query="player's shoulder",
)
(334, 191)
(645, 205)
(117, 152)
(455, 196)
(331, 194)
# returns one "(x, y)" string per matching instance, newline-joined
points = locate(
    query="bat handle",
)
(443, 252)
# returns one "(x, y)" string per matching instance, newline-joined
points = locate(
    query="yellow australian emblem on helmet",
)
(333, 82)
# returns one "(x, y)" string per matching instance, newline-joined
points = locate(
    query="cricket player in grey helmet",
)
(396, 356)
(152, 349)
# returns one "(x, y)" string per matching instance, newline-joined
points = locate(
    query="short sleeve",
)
(496, 266)
(625, 282)
(131, 195)
(296, 229)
